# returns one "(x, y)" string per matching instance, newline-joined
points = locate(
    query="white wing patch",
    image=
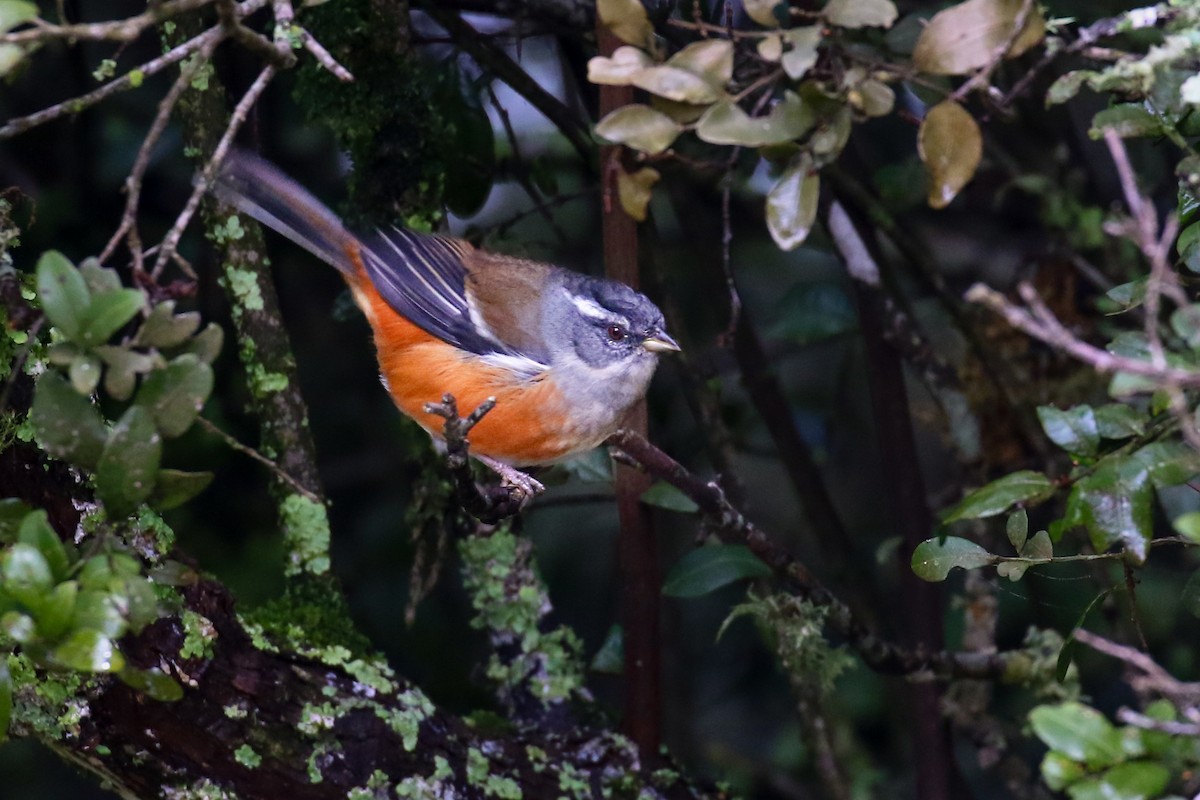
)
(521, 366)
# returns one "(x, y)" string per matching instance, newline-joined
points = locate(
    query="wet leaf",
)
(107, 314)
(89, 651)
(154, 683)
(802, 55)
(965, 37)
(639, 127)
(707, 569)
(726, 123)
(618, 69)
(1026, 487)
(175, 396)
(97, 610)
(12, 516)
(860, 13)
(1168, 463)
(792, 204)
(1115, 506)
(627, 20)
(1188, 246)
(26, 575)
(84, 373)
(711, 59)
(56, 611)
(635, 190)
(63, 293)
(1119, 421)
(173, 487)
(35, 530)
(1078, 732)
(933, 559)
(664, 495)
(1133, 780)
(1128, 120)
(951, 146)
(164, 328)
(206, 345)
(66, 424)
(676, 84)
(1074, 430)
(128, 466)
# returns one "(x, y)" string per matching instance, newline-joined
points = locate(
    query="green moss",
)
(243, 285)
(263, 382)
(235, 712)
(406, 720)
(150, 523)
(306, 533)
(573, 782)
(198, 635)
(246, 756)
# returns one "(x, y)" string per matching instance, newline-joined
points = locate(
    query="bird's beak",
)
(659, 342)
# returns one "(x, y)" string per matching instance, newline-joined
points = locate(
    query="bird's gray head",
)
(603, 324)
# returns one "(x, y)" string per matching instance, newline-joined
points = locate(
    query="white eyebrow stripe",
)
(593, 310)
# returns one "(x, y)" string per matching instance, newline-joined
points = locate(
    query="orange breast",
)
(529, 425)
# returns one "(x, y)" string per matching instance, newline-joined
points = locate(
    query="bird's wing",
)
(428, 279)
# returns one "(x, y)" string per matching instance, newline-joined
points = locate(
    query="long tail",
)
(261, 190)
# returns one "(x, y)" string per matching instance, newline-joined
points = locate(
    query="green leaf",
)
(860, 13)
(97, 610)
(1119, 421)
(1059, 772)
(1185, 322)
(618, 69)
(127, 468)
(933, 559)
(1128, 295)
(6, 699)
(1067, 86)
(175, 396)
(1188, 246)
(951, 146)
(35, 530)
(802, 55)
(18, 627)
(1074, 430)
(726, 123)
(107, 314)
(12, 14)
(1134, 780)
(610, 658)
(206, 345)
(814, 312)
(11, 55)
(964, 37)
(627, 20)
(63, 293)
(12, 515)
(56, 612)
(154, 683)
(676, 84)
(1188, 526)
(1071, 644)
(89, 651)
(84, 373)
(1078, 732)
(66, 424)
(1017, 528)
(1037, 547)
(99, 280)
(664, 495)
(1168, 463)
(173, 487)
(124, 365)
(640, 127)
(792, 203)
(635, 190)
(1127, 120)
(1115, 506)
(711, 59)
(1026, 487)
(706, 569)
(164, 328)
(27, 576)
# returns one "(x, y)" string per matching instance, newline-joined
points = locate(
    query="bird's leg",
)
(487, 504)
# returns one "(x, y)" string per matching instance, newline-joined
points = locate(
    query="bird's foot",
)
(511, 476)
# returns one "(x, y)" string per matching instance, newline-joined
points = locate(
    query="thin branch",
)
(246, 450)
(1173, 727)
(1153, 677)
(982, 77)
(122, 30)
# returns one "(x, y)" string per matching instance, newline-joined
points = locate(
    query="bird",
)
(564, 355)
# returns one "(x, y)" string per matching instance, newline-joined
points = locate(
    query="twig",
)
(257, 456)
(488, 504)
(206, 176)
(1173, 727)
(983, 75)
(1154, 677)
(123, 30)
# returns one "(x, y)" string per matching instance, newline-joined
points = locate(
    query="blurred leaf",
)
(63, 293)
(11, 55)
(1078, 732)
(951, 146)
(1128, 120)
(1026, 487)
(639, 127)
(468, 177)
(1185, 322)
(814, 312)
(141, 603)
(66, 424)
(84, 373)
(1115, 505)
(99, 280)
(635, 190)
(1067, 86)
(965, 37)
(1071, 644)
(767, 13)
(124, 365)
(174, 396)
(6, 699)
(933, 559)
(206, 345)
(1017, 528)
(792, 203)
(619, 69)
(35, 530)
(1059, 772)
(676, 84)
(173, 488)
(711, 59)
(1038, 546)
(1134, 780)
(12, 14)
(1168, 463)
(610, 658)
(860, 13)
(1188, 525)
(1190, 597)
(726, 123)
(707, 569)
(27, 576)
(107, 314)
(627, 20)
(877, 98)
(56, 612)
(664, 495)
(1119, 421)
(770, 48)
(89, 651)
(154, 683)
(164, 328)
(1128, 295)
(127, 468)
(802, 55)
(97, 610)
(17, 626)
(1074, 430)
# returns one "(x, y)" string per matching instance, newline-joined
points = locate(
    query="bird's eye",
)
(616, 333)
